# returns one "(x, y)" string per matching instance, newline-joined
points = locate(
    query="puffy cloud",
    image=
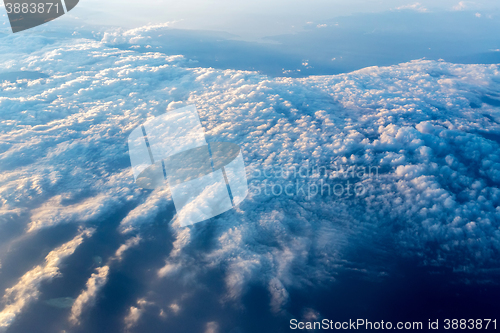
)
(53, 212)
(135, 313)
(88, 296)
(132, 242)
(175, 307)
(460, 6)
(132, 36)
(417, 6)
(212, 327)
(27, 288)
(146, 211)
(132, 317)
(405, 120)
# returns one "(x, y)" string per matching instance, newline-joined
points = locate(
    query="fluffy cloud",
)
(146, 211)
(132, 242)
(133, 316)
(135, 313)
(132, 36)
(417, 6)
(460, 6)
(94, 284)
(430, 129)
(27, 288)
(212, 327)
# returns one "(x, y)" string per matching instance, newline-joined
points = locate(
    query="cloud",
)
(417, 6)
(88, 296)
(27, 288)
(53, 212)
(132, 317)
(133, 36)
(212, 327)
(391, 127)
(146, 211)
(135, 313)
(132, 242)
(428, 127)
(460, 6)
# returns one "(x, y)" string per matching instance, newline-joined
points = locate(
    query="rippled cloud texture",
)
(432, 129)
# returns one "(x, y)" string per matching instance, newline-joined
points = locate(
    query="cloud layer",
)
(431, 130)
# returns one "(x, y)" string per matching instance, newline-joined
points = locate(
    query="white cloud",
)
(52, 212)
(88, 296)
(133, 36)
(133, 317)
(147, 210)
(212, 327)
(132, 242)
(97, 281)
(417, 6)
(27, 288)
(175, 308)
(135, 313)
(460, 6)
